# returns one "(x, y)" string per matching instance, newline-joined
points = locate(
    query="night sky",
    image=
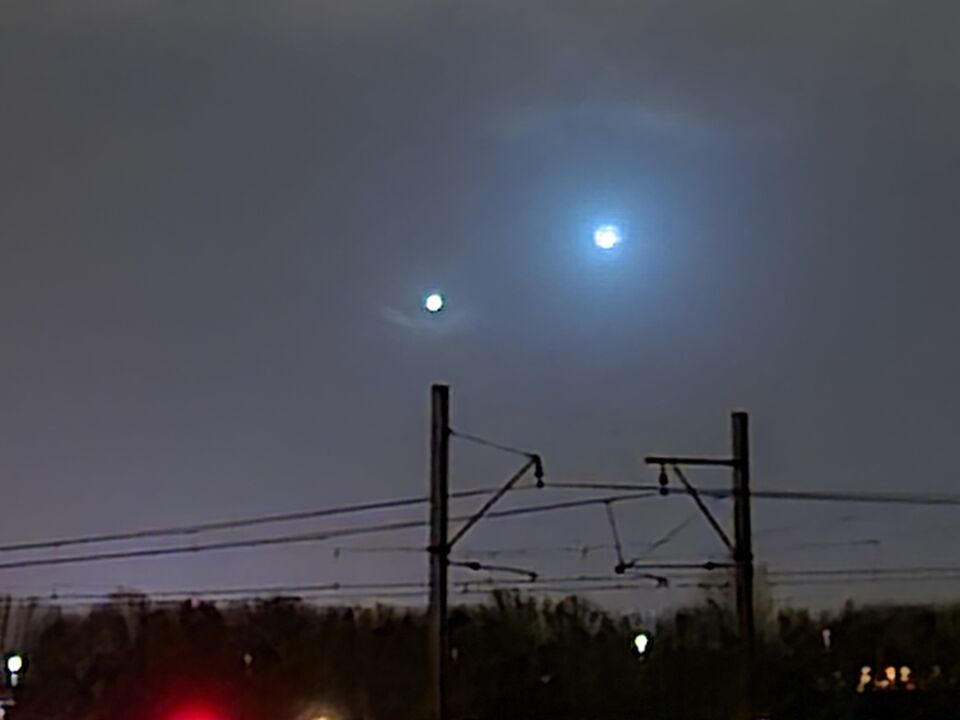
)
(218, 220)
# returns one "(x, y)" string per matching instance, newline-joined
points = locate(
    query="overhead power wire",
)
(799, 547)
(891, 498)
(87, 600)
(209, 547)
(233, 524)
(401, 588)
(669, 536)
(912, 571)
(881, 579)
(373, 589)
(476, 566)
(477, 440)
(301, 538)
(582, 550)
(705, 511)
(618, 546)
(219, 525)
(491, 501)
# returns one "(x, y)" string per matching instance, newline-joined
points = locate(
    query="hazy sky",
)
(218, 219)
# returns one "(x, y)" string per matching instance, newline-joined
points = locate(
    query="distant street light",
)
(607, 237)
(641, 641)
(434, 303)
(14, 664)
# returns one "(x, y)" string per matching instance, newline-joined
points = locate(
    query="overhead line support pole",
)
(439, 548)
(743, 557)
(742, 548)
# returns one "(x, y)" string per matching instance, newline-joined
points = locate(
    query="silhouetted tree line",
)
(512, 658)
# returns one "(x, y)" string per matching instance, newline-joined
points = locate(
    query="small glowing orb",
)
(14, 663)
(607, 237)
(640, 642)
(434, 303)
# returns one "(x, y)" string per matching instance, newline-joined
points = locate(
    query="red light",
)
(195, 712)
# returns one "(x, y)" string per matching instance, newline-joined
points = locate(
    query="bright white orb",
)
(607, 237)
(434, 303)
(14, 663)
(640, 642)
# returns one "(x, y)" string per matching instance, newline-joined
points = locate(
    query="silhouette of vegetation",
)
(512, 658)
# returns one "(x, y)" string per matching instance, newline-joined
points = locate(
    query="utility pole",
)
(741, 548)
(743, 556)
(439, 548)
(440, 542)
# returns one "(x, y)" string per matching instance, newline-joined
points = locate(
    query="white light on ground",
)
(14, 663)
(640, 642)
(607, 237)
(434, 303)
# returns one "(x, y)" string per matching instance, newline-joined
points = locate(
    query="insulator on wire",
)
(663, 480)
